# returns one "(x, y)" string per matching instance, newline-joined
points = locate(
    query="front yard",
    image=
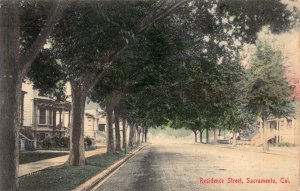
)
(27, 157)
(66, 177)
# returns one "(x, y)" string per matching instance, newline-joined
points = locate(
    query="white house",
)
(44, 116)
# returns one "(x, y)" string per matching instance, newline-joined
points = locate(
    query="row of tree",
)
(149, 62)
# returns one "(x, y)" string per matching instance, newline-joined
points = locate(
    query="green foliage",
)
(268, 91)
(85, 34)
(262, 13)
(55, 142)
(27, 132)
(45, 73)
(184, 68)
(286, 144)
(65, 142)
(139, 71)
(33, 16)
(48, 76)
(28, 157)
(67, 177)
(88, 141)
(47, 143)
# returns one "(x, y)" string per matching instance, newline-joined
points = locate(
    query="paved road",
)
(179, 167)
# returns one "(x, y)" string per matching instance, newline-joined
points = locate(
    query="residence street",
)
(179, 167)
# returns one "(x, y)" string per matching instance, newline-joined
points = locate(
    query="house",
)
(95, 126)
(278, 131)
(286, 130)
(43, 116)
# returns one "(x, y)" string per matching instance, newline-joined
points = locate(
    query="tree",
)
(117, 127)
(47, 76)
(15, 62)
(97, 59)
(268, 91)
(237, 117)
(109, 34)
(124, 133)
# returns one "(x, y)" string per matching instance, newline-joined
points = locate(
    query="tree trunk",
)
(265, 135)
(200, 135)
(13, 69)
(215, 136)
(138, 132)
(134, 140)
(76, 156)
(131, 135)
(207, 136)
(110, 131)
(124, 134)
(195, 133)
(9, 90)
(143, 134)
(117, 129)
(234, 139)
(146, 132)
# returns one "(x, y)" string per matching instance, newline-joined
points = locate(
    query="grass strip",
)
(35, 156)
(66, 177)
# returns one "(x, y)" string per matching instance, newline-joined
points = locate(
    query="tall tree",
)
(109, 34)
(268, 91)
(117, 127)
(14, 64)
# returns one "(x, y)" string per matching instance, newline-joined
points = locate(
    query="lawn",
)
(28, 157)
(67, 177)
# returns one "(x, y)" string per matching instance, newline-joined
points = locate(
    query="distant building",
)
(286, 130)
(278, 131)
(95, 125)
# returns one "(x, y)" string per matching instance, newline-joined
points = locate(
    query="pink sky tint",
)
(291, 50)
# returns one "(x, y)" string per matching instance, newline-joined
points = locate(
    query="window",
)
(282, 123)
(273, 125)
(50, 117)
(42, 116)
(101, 127)
(45, 116)
(289, 123)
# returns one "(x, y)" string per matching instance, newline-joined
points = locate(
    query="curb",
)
(92, 182)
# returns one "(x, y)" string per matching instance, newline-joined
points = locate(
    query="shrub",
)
(56, 141)
(88, 141)
(27, 132)
(65, 141)
(284, 144)
(47, 143)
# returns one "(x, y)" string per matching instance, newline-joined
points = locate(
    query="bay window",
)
(45, 116)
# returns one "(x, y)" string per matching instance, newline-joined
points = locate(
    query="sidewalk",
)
(32, 167)
(287, 151)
